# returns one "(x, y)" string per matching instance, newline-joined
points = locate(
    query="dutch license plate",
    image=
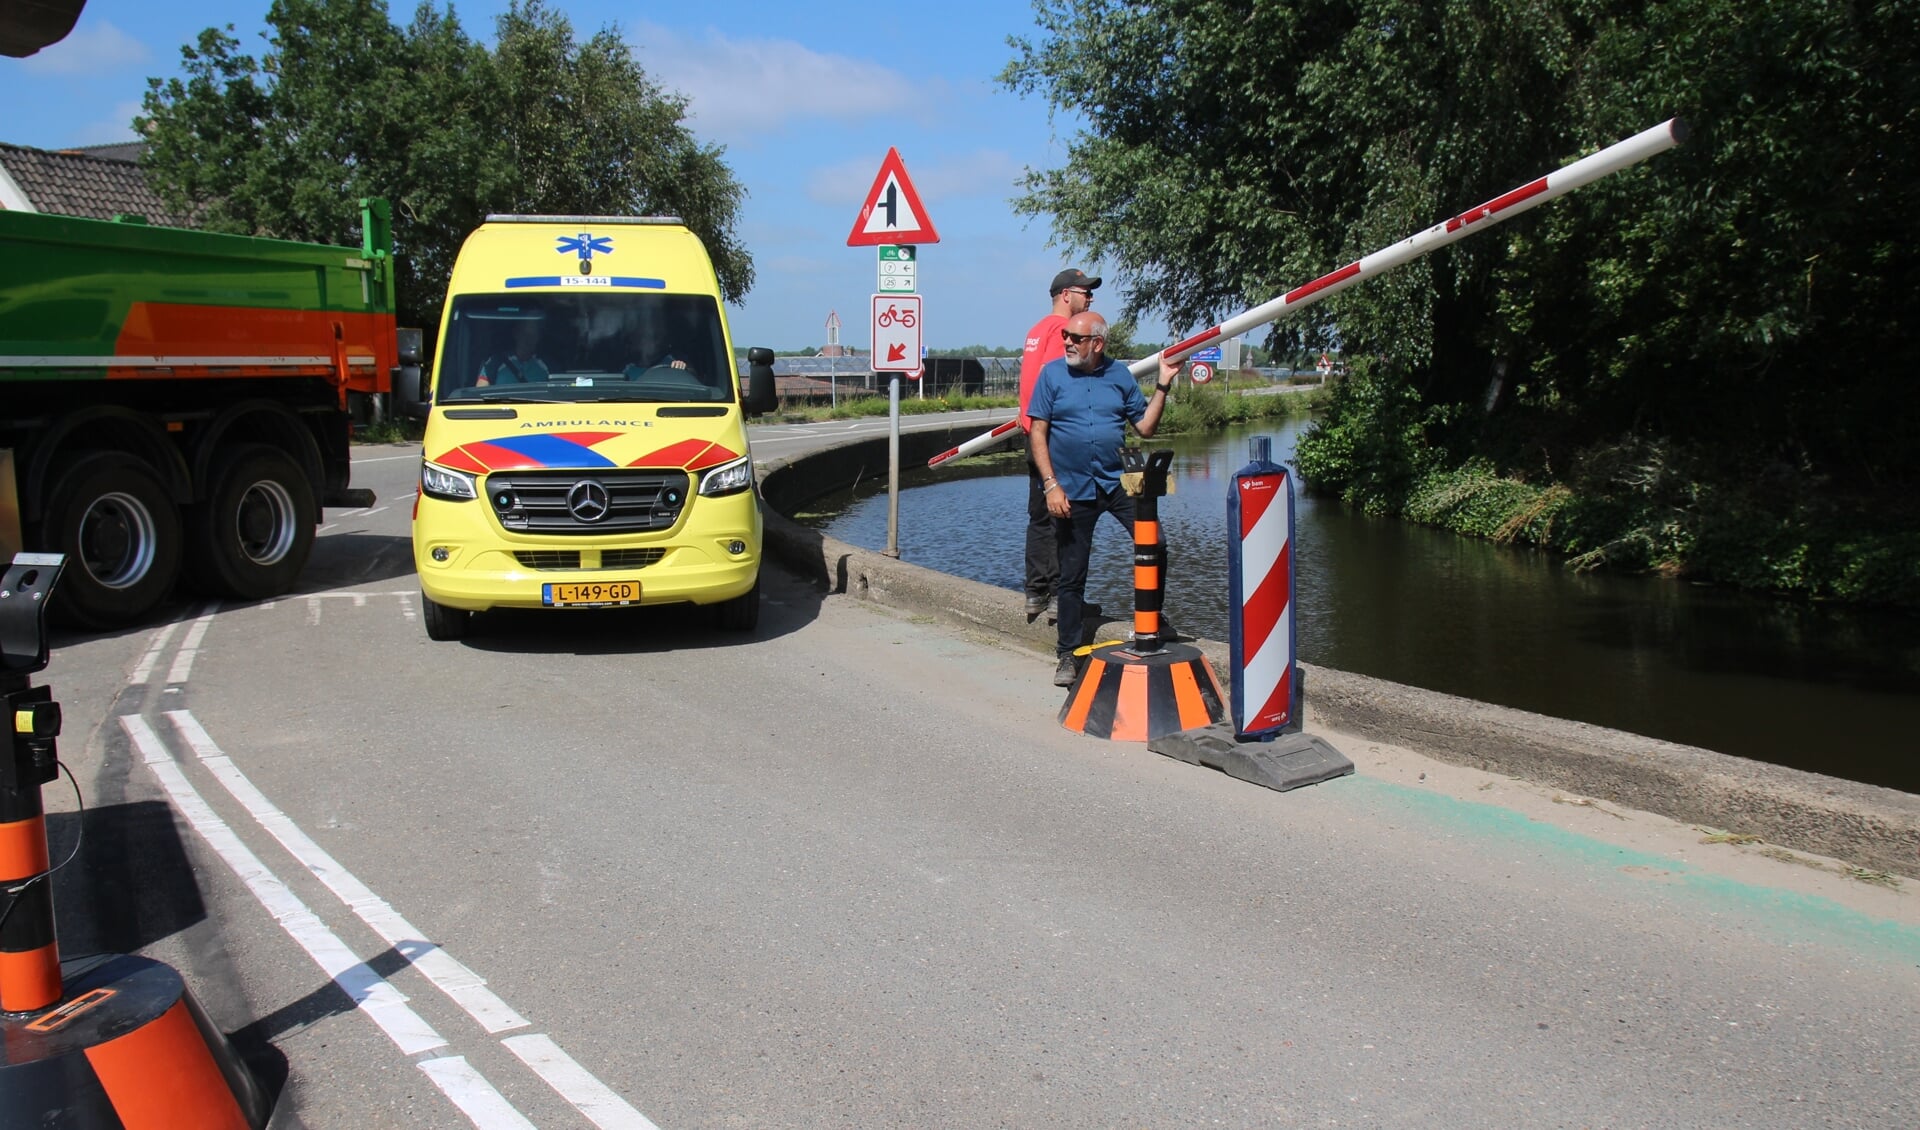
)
(589, 592)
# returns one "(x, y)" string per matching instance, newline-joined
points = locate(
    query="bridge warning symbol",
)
(892, 212)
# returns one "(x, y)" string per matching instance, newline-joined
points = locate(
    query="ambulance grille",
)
(630, 558)
(614, 501)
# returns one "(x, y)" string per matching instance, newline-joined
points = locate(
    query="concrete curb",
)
(1864, 825)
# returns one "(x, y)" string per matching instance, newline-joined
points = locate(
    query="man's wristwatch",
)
(1163, 389)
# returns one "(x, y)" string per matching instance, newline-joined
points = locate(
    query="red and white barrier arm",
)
(1620, 155)
(979, 443)
(1612, 159)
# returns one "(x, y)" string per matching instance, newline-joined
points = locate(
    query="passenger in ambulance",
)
(520, 364)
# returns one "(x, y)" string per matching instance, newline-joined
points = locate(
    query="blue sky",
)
(806, 98)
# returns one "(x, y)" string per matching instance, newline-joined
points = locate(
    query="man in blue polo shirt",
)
(1081, 406)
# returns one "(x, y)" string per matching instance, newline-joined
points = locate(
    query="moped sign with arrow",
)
(896, 333)
(892, 212)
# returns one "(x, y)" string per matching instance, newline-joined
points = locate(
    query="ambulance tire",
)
(444, 623)
(252, 536)
(122, 537)
(742, 613)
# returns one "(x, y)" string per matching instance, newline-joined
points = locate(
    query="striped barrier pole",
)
(1260, 628)
(1579, 174)
(108, 1041)
(29, 952)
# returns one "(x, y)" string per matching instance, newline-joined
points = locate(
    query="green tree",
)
(1744, 298)
(344, 104)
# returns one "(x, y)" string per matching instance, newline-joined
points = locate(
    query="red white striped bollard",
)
(1266, 683)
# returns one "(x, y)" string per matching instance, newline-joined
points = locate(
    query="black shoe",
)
(1036, 604)
(1066, 672)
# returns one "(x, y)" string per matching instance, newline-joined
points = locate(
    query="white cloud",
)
(738, 88)
(834, 185)
(115, 128)
(983, 172)
(95, 47)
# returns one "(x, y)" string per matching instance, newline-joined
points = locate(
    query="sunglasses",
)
(1080, 290)
(1078, 339)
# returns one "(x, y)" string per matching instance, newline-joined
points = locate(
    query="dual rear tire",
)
(121, 534)
(126, 541)
(253, 535)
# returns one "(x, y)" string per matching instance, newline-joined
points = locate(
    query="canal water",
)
(1829, 690)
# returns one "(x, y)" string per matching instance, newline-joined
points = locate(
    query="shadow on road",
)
(787, 603)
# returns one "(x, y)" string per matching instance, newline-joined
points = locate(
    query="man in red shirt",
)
(1072, 293)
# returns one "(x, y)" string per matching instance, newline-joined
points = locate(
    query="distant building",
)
(833, 348)
(97, 182)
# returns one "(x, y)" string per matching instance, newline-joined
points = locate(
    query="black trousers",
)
(1043, 563)
(1073, 541)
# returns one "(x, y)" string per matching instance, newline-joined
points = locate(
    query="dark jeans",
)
(1073, 541)
(1043, 564)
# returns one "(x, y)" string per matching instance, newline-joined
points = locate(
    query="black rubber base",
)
(1287, 762)
(126, 1047)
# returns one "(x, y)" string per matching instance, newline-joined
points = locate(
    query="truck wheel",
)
(253, 535)
(742, 613)
(444, 623)
(121, 534)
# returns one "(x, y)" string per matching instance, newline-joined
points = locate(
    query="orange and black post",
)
(29, 954)
(108, 1042)
(1149, 549)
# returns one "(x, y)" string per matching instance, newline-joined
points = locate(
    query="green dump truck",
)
(176, 405)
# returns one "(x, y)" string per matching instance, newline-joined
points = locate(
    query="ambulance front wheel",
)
(443, 623)
(742, 613)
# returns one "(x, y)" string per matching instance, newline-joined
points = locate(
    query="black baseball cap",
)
(1074, 277)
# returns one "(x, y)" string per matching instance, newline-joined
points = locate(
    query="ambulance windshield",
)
(581, 348)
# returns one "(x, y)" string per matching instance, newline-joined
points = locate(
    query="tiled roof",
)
(77, 184)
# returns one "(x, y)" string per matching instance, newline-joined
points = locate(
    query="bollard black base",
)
(126, 1048)
(1126, 696)
(1286, 762)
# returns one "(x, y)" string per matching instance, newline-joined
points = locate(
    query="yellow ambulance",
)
(586, 436)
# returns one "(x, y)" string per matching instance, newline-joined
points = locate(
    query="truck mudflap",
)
(353, 498)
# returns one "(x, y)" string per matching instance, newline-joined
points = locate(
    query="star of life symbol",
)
(585, 245)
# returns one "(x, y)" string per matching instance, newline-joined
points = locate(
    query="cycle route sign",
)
(896, 333)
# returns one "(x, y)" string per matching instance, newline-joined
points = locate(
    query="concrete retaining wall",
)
(1865, 825)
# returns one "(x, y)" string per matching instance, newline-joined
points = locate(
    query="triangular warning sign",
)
(893, 212)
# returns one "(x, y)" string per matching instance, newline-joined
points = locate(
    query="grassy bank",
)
(1636, 508)
(1193, 408)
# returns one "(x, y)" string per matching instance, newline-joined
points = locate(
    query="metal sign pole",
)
(893, 467)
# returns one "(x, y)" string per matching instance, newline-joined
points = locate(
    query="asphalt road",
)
(621, 869)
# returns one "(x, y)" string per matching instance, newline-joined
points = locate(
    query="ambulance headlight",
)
(440, 482)
(731, 478)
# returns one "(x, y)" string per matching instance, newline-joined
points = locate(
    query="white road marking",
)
(190, 647)
(484, 1106)
(371, 993)
(415, 457)
(589, 1095)
(463, 985)
(144, 670)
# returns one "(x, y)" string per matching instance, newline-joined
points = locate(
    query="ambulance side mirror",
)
(761, 396)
